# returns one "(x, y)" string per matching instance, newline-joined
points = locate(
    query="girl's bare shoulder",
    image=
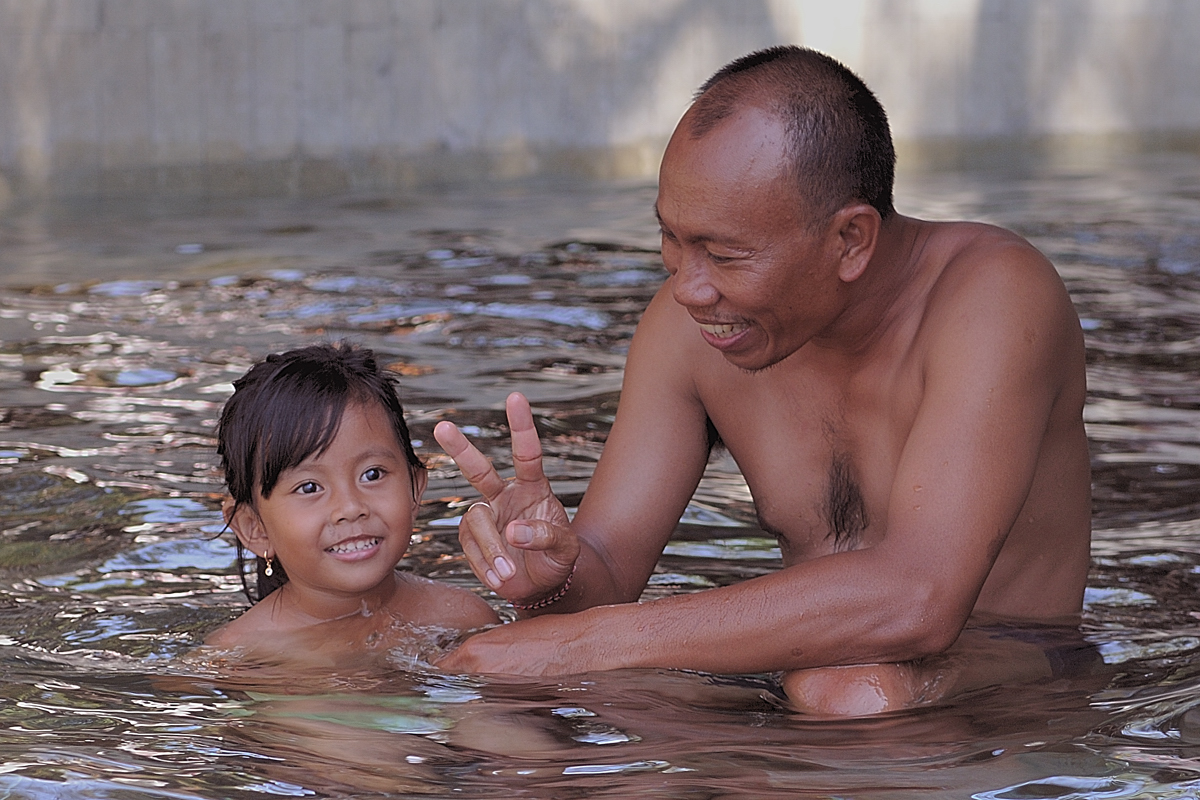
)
(425, 601)
(255, 624)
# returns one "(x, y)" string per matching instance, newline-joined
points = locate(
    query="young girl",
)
(324, 488)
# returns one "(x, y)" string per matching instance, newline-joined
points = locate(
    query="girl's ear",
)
(420, 479)
(247, 525)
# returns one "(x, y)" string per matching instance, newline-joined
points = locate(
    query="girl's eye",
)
(308, 487)
(373, 474)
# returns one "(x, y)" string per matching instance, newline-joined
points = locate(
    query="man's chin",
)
(751, 363)
(739, 349)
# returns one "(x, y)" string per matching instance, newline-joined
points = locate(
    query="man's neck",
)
(884, 294)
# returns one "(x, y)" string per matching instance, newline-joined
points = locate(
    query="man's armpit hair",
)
(713, 436)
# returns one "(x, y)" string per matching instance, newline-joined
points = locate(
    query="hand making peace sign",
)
(520, 543)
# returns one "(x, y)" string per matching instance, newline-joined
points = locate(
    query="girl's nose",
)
(350, 506)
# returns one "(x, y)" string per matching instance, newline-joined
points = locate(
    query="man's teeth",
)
(722, 331)
(353, 546)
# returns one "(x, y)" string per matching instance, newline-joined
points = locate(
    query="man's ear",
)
(247, 526)
(857, 227)
(420, 479)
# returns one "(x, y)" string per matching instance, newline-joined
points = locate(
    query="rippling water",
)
(122, 326)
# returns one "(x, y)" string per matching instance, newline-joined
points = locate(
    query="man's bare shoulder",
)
(976, 251)
(999, 312)
(988, 272)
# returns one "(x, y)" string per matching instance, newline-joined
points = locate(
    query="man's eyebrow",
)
(663, 225)
(700, 239)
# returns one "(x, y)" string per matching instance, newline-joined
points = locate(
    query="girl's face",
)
(340, 521)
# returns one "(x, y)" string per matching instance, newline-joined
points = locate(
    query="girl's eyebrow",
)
(370, 454)
(379, 453)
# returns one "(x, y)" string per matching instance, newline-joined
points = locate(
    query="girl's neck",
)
(302, 607)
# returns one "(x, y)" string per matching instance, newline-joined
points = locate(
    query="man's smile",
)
(724, 330)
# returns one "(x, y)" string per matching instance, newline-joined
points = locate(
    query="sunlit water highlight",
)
(122, 327)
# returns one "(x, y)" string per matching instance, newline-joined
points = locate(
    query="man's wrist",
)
(552, 598)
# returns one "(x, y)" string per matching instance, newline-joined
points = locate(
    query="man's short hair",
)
(838, 139)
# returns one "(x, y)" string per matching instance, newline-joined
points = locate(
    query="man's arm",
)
(1002, 335)
(523, 546)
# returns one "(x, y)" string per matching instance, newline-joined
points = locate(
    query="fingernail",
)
(505, 569)
(493, 580)
(521, 534)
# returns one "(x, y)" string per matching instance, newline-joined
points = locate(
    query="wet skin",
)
(904, 399)
(340, 522)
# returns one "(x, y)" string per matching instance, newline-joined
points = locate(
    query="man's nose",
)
(692, 285)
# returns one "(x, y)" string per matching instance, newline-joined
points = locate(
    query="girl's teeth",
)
(354, 546)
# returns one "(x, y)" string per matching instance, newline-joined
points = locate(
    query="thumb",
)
(555, 541)
(531, 534)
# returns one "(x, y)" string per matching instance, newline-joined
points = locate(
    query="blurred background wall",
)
(208, 97)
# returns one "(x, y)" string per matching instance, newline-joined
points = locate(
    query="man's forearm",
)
(814, 614)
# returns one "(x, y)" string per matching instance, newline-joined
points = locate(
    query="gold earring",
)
(269, 570)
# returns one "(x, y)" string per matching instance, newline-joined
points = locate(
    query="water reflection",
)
(122, 328)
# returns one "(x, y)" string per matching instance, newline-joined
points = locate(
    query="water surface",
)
(122, 326)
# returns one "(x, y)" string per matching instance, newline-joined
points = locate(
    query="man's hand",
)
(546, 645)
(537, 550)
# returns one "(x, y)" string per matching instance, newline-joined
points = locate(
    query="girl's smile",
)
(355, 549)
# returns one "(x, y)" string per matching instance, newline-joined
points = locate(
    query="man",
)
(904, 399)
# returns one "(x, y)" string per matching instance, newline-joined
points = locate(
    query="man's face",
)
(743, 258)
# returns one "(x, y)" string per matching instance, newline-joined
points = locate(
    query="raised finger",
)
(526, 447)
(474, 465)
(484, 548)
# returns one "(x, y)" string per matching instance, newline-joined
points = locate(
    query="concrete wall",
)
(296, 96)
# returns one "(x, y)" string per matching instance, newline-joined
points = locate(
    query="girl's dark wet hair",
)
(288, 407)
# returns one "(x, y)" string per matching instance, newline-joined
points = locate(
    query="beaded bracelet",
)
(546, 601)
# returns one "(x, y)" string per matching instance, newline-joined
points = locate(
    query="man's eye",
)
(308, 487)
(373, 474)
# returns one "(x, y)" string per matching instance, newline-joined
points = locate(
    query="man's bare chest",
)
(820, 461)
